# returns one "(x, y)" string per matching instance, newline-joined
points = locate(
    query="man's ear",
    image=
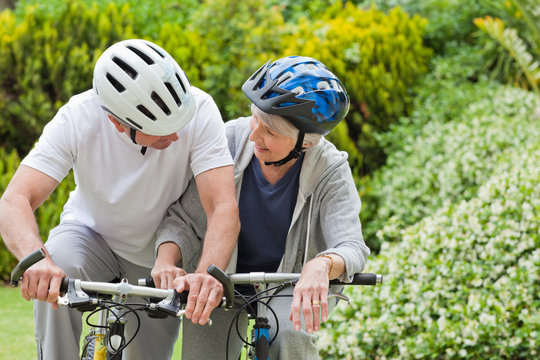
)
(116, 123)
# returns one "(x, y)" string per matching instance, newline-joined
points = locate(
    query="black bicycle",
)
(106, 339)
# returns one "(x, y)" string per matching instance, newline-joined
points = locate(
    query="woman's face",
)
(269, 145)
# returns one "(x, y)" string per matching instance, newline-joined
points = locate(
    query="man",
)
(134, 141)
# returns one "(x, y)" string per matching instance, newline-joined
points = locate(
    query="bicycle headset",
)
(141, 85)
(303, 91)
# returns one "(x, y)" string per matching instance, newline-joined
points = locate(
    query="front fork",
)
(261, 335)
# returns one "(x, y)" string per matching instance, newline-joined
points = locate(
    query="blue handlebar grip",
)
(24, 264)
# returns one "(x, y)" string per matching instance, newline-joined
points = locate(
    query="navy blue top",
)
(265, 214)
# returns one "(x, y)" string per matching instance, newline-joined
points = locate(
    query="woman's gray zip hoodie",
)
(325, 219)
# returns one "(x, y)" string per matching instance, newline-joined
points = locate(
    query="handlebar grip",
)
(361, 279)
(225, 281)
(24, 264)
(147, 281)
(64, 285)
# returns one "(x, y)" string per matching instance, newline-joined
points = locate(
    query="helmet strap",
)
(132, 134)
(294, 154)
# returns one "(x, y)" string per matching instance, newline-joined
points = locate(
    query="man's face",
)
(142, 139)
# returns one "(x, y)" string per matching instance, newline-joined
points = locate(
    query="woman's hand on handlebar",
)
(310, 296)
(164, 275)
(205, 293)
(42, 282)
(165, 269)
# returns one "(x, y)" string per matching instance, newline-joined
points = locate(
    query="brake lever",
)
(339, 297)
(75, 297)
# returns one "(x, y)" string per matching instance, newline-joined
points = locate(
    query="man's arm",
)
(25, 193)
(218, 197)
(217, 194)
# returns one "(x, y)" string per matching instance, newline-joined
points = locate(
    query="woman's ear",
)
(116, 123)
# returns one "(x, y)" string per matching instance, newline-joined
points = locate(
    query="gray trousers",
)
(209, 342)
(83, 254)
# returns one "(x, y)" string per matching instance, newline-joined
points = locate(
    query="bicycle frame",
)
(260, 280)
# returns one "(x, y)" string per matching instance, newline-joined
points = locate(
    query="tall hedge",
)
(46, 59)
(226, 41)
(377, 55)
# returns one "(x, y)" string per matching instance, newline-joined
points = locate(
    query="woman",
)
(298, 206)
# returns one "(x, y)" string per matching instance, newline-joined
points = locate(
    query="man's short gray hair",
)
(284, 127)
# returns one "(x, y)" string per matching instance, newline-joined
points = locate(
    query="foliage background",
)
(442, 138)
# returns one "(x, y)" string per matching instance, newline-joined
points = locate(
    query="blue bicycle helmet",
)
(302, 90)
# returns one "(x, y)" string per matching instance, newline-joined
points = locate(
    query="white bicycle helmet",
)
(142, 86)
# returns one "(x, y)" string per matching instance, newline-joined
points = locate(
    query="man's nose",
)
(172, 137)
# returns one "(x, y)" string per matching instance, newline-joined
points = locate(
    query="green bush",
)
(240, 36)
(454, 143)
(47, 215)
(513, 52)
(450, 22)
(378, 57)
(147, 17)
(44, 60)
(463, 283)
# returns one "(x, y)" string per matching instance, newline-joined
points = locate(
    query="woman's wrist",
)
(168, 253)
(330, 262)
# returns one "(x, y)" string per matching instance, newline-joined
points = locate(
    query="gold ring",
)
(316, 302)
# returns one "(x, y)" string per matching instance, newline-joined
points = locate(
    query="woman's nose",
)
(254, 133)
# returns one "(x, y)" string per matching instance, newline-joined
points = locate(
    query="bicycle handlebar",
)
(255, 277)
(171, 299)
(82, 294)
(228, 281)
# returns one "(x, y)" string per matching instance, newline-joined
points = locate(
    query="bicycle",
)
(106, 339)
(258, 346)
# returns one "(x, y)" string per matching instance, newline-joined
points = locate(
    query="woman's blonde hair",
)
(281, 125)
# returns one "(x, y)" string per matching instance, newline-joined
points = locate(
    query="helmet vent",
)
(173, 93)
(323, 85)
(181, 82)
(127, 69)
(119, 87)
(142, 55)
(157, 51)
(146, 112)
(159, 102)
(284, 77)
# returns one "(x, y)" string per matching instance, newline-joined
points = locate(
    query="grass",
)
(17, 327)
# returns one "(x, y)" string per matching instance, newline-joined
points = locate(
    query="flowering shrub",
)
(463, 283)
(446, 161)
